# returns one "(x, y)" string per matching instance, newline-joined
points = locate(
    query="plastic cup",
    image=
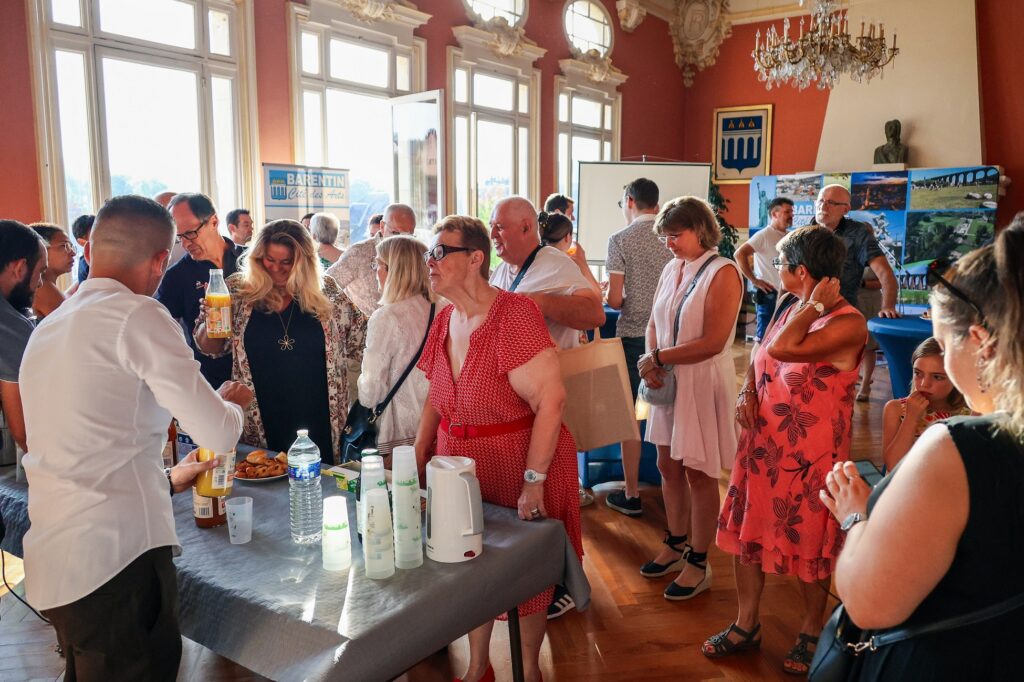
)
(239, 511)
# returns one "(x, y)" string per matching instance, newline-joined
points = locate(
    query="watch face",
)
(530, 475)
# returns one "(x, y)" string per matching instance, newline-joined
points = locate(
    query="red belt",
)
(466, 431)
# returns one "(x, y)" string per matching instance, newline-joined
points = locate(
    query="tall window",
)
(587, 131)
(142, 98)
(347, 76)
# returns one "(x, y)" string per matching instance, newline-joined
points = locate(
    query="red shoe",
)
(488, 676)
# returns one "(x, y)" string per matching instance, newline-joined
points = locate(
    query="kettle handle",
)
(476, 521)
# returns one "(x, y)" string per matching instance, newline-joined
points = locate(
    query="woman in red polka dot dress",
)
(496, 396)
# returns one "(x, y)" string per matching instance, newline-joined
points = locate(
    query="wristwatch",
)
(852, 520)
(531, 476)
(818, 306)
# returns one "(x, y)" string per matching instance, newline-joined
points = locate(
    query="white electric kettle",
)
(455, 513)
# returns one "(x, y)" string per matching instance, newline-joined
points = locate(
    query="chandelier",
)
(822, 53)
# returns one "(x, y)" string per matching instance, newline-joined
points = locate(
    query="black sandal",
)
(720, 645)
(677, 592)
(677, 543)
(799, 655)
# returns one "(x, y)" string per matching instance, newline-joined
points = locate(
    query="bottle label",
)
(224, 474)
(304, 472)
(202, 507)
(218, 321)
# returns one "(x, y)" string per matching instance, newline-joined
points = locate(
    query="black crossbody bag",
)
(361, 425)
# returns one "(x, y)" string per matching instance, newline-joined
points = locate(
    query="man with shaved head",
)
(102, 376)
(353, 270)
(862, 248)
(177, 251)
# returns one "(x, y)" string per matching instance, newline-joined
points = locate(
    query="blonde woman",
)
(393, 337)
(292, 334)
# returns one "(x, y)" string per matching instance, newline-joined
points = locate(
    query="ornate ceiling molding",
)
(497, 36)
(631, 14)
(698, 28)
(591, 66)
(396, 13)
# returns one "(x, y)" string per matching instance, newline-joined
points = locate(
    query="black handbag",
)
(361, 424)
(841, 641)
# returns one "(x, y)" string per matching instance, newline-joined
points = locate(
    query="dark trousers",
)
(128, 628)
(633, 347)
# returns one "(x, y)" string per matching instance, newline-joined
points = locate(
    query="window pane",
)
(523, 187)
(359, 64)
(524, 98)
(588, 27)
(312, 128)
(563, 163)
(402, 73)
(607, 154)
(563, 108)
(135, 103)
(489, 91)
(494, 154)
(583, 149)
(72, 107)
(66, 12)
(220, 32)
(224, 143)
(512, 10)
(359, 138)
(461, 85)
(607, 116)
(461, 165)
(160, 21)
(311, 53)
(586, 112)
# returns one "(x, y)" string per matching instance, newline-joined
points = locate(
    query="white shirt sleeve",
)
(375, 376)
(151, 345)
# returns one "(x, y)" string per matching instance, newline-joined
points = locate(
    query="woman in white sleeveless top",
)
(393, 336)
(696, 435)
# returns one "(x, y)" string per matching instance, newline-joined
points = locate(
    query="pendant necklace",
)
(286, 342)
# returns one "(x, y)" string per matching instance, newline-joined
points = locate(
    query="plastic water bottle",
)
(304, 494)
(408, 521)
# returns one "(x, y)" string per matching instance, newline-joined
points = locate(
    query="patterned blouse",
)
(344, 338)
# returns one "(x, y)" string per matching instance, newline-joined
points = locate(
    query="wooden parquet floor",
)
(629, 633)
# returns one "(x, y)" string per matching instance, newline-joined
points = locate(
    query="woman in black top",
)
(944, 534)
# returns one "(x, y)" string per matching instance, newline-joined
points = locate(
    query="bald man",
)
(178, 250)
(101, 378)
(862, 248)
(543, 273)
(353, 272)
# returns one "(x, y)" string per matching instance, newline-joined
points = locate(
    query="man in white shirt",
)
(100, 381)
(543, 273)
(353, 272)
(755, 260)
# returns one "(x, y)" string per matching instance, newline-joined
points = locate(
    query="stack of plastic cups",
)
(371, 477)
(378, 543)
(336, 543)
(406, 493)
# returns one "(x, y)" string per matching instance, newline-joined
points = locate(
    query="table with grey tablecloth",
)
(13, 511)
(269, 606)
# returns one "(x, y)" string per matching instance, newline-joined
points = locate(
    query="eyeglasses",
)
(621, 200)
(191, 235)
(377, 264)
(66, 246)
(665, 238)
(940, 265)
(779, 264)
(830, 203)
(441, 251)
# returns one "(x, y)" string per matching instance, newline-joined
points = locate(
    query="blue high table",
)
(898, 338)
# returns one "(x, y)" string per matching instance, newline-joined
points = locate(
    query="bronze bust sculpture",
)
(893, 151)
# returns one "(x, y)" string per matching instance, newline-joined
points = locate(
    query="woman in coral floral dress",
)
(795, 408)
(496, 396)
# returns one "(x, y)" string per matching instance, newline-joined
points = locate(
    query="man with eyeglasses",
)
(184, 286)
(862, 248)
(754, 259)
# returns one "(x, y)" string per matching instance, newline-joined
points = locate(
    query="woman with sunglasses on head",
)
(796, 409)
(940, 537)
(690, 333)
(293, 332)
(496, 395)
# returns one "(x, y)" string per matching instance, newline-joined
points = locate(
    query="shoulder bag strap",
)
(689, 290)
(981, 615)
(526, 266)
(382, 405)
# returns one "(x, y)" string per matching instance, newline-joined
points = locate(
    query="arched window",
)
(588, 27)
(514, 11)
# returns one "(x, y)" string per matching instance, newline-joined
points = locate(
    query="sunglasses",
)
(934, 276)
(191, 234)
(441, 251)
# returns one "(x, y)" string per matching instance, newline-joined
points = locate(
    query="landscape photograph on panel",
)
(742, 143)
(943, 188)
(879, 191)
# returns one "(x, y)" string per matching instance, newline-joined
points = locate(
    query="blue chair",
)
(605, 464)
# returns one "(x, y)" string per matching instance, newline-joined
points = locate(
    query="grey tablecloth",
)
(269, 605)
(13, 511)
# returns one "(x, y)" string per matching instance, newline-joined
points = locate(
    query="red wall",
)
(19, 192)
(797, 117)
(273, 85)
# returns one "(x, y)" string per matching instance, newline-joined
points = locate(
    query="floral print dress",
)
(772, 514)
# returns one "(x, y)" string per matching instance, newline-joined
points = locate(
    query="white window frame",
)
(48, 37)
(564, 86)
(608, 18)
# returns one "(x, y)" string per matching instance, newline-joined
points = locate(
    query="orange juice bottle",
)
(218, 307)
(215, 482)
